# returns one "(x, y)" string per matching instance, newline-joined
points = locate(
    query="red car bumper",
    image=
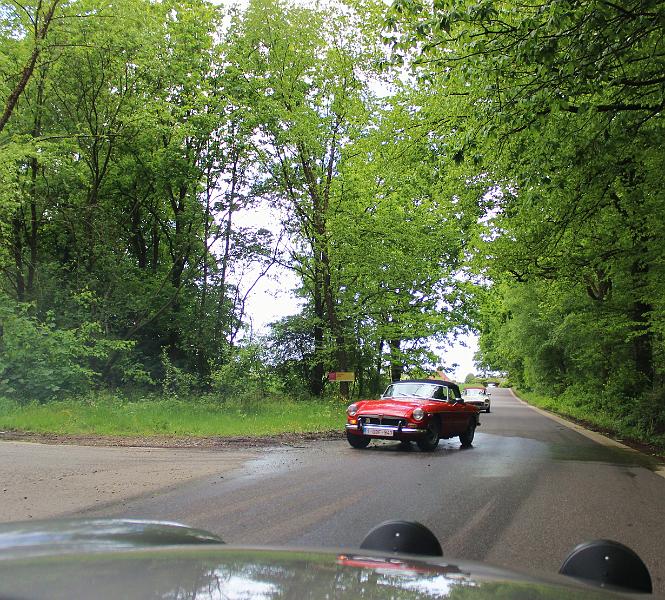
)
(388, 432)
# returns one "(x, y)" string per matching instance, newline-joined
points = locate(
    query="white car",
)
(477, 395)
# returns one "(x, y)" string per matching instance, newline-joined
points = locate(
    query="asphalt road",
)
(526, 493)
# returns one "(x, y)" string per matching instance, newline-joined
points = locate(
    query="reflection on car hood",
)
(32, 538)
(398, 407)
(227, 572)
(78, 567)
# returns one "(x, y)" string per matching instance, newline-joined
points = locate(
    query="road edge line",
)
(599, 438)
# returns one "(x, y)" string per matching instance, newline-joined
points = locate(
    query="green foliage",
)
(208, 416)
(376, 238)
(553, 113)
(121, 169)
(555, 341)
(290, 352)
(146, 127)
(247, 378)
(175, 382)
(641, 420)
(39, 361)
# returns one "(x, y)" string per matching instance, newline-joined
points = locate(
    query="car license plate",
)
(377, 431)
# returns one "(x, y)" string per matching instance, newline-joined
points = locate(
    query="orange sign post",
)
(341, 376)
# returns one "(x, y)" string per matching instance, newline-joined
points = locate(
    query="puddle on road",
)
(603, 454)
(497, 455)
(271, 463)
(280, 459)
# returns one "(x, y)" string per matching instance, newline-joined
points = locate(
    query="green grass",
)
(108, 415)
(617, 425)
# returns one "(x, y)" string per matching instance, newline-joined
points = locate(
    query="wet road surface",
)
(528, 491)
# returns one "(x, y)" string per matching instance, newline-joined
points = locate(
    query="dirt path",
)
(283, 439)
(50, 475)
(48, 480)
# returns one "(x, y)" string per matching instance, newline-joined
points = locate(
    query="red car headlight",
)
(418, 414)
(352, 410)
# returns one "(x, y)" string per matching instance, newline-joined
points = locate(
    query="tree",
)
(126, 161)
(400, 262)
(555, 110)
(304, 70)
(31, 23)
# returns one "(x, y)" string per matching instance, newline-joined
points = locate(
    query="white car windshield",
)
(474, 392)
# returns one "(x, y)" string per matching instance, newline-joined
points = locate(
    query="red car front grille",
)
(372, 420)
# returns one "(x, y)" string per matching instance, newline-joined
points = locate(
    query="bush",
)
(639, 418)
(246, 378)
(649, 412)
(39, 361)
(176, 382)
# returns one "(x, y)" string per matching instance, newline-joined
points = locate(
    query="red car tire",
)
(466, 438)
(431, 439)
(358, 441)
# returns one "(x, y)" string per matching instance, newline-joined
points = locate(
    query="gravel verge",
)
(282, 439)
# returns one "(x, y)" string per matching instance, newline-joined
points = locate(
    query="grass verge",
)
(108, 415)
(613, 425)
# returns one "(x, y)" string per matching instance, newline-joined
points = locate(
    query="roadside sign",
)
(341, 376)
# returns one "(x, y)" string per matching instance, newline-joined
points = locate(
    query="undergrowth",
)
(621, 422)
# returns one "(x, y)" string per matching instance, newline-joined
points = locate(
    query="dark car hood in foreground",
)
(230, 573)
(85, 566)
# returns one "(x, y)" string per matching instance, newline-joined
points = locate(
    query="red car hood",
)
(393, 407)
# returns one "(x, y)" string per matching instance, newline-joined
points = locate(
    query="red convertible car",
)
(419, 410)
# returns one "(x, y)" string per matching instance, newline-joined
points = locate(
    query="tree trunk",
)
(375, 382)
(317, 373)
(137, 239)
(32, 234)
(154, 259)
(19, 280)
(396, 364)
(222, 317)
(642, 343)
(335, 327)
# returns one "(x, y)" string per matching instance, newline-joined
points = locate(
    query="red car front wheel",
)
(357, 441)
(431, 439)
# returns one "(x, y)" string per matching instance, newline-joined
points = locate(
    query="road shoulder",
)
(128, 441)
(44, 481)
(599, 438)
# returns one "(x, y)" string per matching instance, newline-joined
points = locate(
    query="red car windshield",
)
(419, 390)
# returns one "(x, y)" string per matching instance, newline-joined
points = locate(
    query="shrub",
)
(176, 382)
(246, 378)
(39, 361)
(649, 412)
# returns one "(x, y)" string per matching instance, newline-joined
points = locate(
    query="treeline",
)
(436, 167)
(135, 132)
(563, 139)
